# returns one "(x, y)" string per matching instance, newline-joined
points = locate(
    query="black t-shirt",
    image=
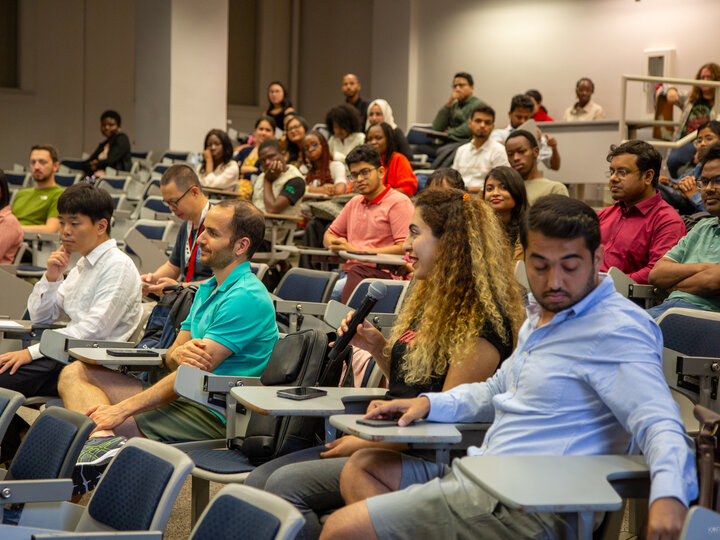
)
(177, 257)
(293, 190)
(399, 389)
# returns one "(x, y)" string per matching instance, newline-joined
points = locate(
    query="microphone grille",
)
(377, 290)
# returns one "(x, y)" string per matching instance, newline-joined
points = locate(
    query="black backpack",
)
(298, 359)
(166, 317)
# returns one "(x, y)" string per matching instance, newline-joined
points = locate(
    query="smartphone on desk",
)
(132, 353)
(377, 422)
(301, 392)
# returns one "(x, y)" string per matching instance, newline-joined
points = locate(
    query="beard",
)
(217, 259)
(556, 307)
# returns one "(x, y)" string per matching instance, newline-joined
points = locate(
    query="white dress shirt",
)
(545, 153)
(224, 176)
(101, 296)
(474, 163)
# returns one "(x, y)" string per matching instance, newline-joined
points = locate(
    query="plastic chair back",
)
(393, 299)
(303, 284)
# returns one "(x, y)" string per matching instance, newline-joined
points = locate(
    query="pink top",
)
(382, 222)
(11, 235)
(635, 239)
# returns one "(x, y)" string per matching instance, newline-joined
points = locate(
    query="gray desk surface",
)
(396, 260)
(423, 433)
(307, 250)
(99, 357)
(264, 400)
(554, 483)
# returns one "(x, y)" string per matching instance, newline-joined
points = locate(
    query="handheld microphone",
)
(376, 292)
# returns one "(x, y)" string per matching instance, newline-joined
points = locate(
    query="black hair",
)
(247, 222)
(226, 144)
(451, 176)
(465, 75)
(515, 186)
(345, 117)
(558, 216)
(183, 175)
(111, 114)
(391, 145)
(647, 158)
(54, 156)
(537, 96)
(712, 154)
(87, 200)
(269, 119)
(364, 153)
(4, 190)
(270, 143)
(285, 103)
(303, 122)
(712, 125)
(485, 109)
(592, 84)
(523, 133)
(519, 101)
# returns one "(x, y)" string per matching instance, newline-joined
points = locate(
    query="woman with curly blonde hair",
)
(456, 326)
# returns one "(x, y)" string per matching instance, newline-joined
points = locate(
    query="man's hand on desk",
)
(341, 244)
(107, 417)
(57, 263)
(193, 353)
(410, 409)
(666, 519)
(158, 286)
(13, 360)
(343, 447)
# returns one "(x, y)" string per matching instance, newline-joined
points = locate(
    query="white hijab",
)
(386, 110)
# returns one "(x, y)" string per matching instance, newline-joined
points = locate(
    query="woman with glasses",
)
(697, 108)
(324, 175)
(296, 127)
(398, 172)
(218, 169)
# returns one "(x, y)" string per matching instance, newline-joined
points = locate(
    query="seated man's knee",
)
(71, 374)
(378, 464)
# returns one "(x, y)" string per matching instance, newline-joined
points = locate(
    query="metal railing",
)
(626, 126)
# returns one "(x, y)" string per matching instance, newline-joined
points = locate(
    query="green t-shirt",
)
(700, 245)
(33, 206)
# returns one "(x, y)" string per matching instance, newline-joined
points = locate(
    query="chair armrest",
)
(299, 308)
(207, 389)
(120, 535)
(358, 404)
(35, 491)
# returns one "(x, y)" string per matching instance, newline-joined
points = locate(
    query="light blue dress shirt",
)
(580, 385)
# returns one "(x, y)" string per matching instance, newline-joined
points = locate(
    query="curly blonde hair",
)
(470, 287)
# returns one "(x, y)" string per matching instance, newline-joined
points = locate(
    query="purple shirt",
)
(636, 238)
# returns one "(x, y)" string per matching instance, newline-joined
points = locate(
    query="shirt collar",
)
(238, 272)
(99, 251)
(377, 199)
(643, 206)
(605, 288)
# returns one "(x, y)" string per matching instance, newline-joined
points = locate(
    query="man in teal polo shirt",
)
(230, 330)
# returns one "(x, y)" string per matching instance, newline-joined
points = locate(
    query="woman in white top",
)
(324, 175)
(218, 169)
(345, 125)
(380, 111)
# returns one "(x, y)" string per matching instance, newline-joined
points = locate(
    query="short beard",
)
(556, 308)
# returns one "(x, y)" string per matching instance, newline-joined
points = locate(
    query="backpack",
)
(166, 317)
(298, 359)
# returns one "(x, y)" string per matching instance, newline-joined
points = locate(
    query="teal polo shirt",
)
(239, 314)
(701, 244)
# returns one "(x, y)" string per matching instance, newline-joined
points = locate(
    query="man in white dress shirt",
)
(474, 159)
(100, 296)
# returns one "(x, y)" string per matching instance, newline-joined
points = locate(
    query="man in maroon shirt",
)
(640, 227)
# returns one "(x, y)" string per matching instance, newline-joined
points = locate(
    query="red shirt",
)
(542, 116)
(399, 174)
(382, 222)
(635, 239)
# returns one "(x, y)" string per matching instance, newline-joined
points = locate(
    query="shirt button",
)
(499, 412)
(525, 353)
(512, 389)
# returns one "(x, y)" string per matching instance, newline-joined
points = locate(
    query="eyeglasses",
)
(620, 173)
(703, 182)
(294, 128)
(173, 204)
(365, 173)
(710, 139)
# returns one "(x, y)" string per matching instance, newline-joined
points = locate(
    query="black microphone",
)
(376, 292)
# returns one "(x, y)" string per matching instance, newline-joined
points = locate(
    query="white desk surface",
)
(99, 357)
(422, 433)
(264, 400)
(554, 483)
(395, 260)
(307, 250)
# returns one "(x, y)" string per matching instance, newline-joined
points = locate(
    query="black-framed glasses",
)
(704, 182)
(365, 173)
(173, 204)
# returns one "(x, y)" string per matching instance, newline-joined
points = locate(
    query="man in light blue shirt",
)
(585, 378)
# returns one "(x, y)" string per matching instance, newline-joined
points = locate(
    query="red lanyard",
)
(193, 253)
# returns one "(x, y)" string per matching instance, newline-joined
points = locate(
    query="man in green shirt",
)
(36, 207)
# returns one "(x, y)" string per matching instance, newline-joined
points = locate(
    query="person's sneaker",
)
(100, 450)
(86, 477)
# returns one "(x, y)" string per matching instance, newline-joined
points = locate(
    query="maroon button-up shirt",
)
(636, 238)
